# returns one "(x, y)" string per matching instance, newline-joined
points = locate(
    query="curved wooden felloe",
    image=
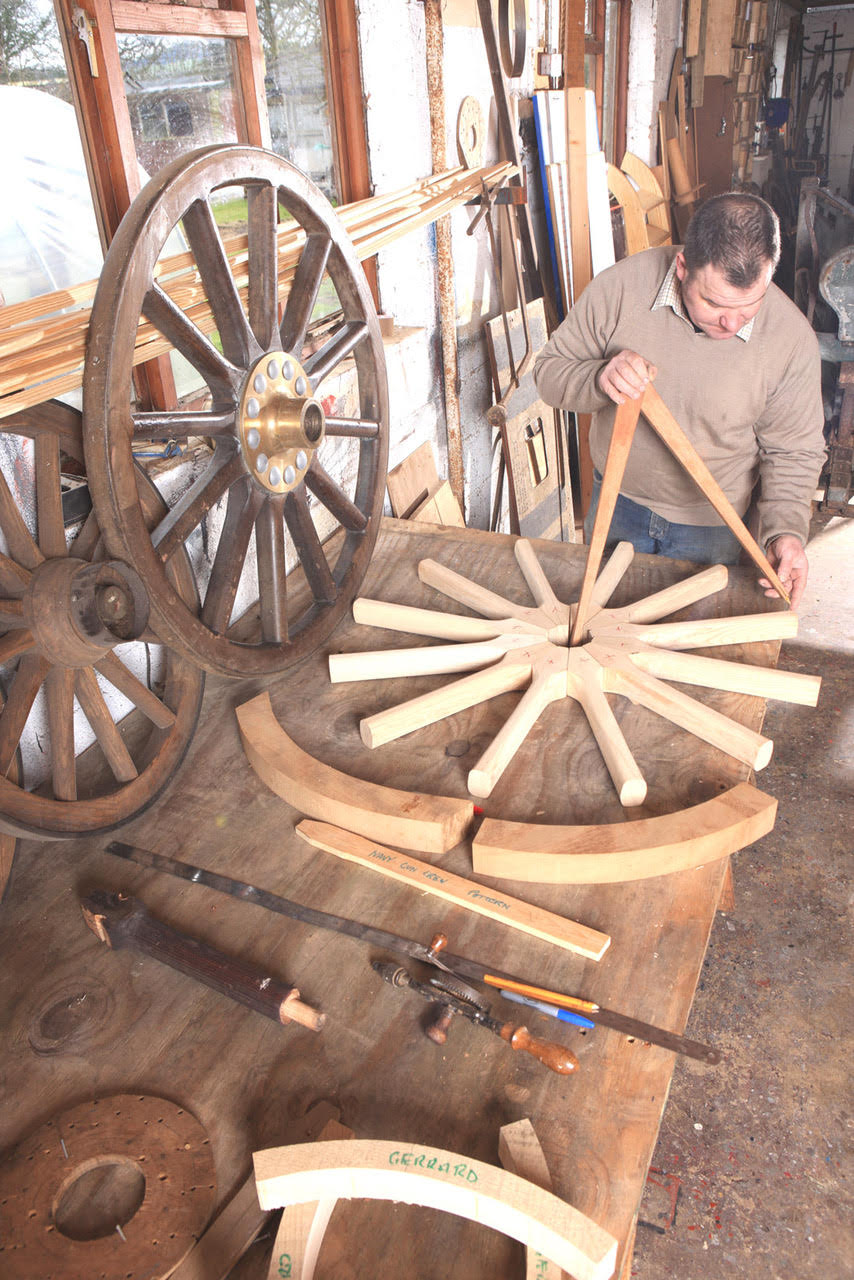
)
(407, 819)
(437, 1179)
(610, 854)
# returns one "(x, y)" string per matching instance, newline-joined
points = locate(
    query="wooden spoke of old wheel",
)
(627, 651)
(51, 667)
(270, 492)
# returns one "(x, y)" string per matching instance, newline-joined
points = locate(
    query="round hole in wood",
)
(97, 1196)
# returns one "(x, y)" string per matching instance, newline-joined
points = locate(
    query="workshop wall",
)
(819, 26)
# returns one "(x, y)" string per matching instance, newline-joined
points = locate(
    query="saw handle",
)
(124, 922)
(554, 1056)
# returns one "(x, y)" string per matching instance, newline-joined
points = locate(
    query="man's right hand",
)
(625, 376)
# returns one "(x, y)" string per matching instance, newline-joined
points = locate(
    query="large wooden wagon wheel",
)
(72, 621)
(278, 459)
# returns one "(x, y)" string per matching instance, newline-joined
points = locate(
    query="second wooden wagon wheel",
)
(73, 624)
(303, 481)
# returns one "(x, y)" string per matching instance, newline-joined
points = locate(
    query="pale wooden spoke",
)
(143, 698)
(59, 695)
(309, 549)
(51, 525)
(304, 290)
(241, 510)
(272, 572)
(239, 344)
(103, 726)
(263, 263)
(224, 468)
(27, 681)
(221, 376)
(339, 346)
(333, 497)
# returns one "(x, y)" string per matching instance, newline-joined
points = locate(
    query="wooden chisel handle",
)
(554, 1056)
(121, 921)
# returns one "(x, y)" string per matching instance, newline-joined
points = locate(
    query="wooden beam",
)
(438, 1179)
(615, 852)
(443, 884)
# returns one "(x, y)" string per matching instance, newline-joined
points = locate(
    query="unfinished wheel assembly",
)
(287, 471)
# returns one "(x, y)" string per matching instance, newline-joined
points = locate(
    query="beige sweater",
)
(752, 409)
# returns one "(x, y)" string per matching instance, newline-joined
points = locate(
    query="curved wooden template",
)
(437, 1179)
(407, 819)
(620, 851)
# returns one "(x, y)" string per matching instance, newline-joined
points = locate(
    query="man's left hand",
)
(789, 561)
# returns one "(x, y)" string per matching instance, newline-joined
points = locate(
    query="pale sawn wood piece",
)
(520, 1152)
(441, 626)
(622, 851)
(703, 633)
(667, 428)
(438, 1179)
(440, 659)
(462, 892)
(430, 824)
(303, 1226)
(625, 422)
(743, 744)
(479, 598)
(513, 671)
(732, 677)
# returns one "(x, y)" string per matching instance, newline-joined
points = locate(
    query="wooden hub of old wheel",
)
(281, 425)
(79, 611)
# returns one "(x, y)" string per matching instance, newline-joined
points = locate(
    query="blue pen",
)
(564, 1015)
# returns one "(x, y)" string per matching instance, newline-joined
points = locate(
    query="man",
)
(736, 363)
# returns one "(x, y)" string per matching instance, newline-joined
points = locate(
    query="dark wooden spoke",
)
(59, 694)
(14, 580)
(181, 425)
(333, 497)
(12, 612)
(52, 417)
(27, 681)
(224, 468)
(309, 548)
(104, 727)
(272, 583)
(14, 643)
(304, 289)
(143, 698)
(335, 350)
(19, 540)
(243, 503)
(358, 428)
(263, 263)
(239, 344)
(86, 539)
(51, 525)
(166, 316)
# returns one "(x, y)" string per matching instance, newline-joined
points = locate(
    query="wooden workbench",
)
(81, 1021)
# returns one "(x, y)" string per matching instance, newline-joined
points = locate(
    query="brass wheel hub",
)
(280, 423)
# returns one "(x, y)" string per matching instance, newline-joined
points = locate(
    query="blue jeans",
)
(646, 531)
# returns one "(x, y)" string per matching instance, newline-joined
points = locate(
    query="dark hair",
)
(735, 232)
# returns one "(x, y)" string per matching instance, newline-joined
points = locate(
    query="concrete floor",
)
(752, 1172)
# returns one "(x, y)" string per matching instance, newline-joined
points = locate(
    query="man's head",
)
(731, 249)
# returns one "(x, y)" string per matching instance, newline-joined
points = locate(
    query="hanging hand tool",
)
(121, 921)
(554, 1056)
(458, 965)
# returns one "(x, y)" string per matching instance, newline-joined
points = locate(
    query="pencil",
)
(541, 993)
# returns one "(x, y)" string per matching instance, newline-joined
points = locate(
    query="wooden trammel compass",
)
(584, 651)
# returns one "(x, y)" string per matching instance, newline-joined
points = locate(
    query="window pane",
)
(48, 233)
(297, 97)
(181, 94)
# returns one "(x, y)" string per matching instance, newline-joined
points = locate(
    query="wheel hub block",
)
(280, 423)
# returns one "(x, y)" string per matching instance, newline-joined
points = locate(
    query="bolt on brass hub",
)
(280, 423)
